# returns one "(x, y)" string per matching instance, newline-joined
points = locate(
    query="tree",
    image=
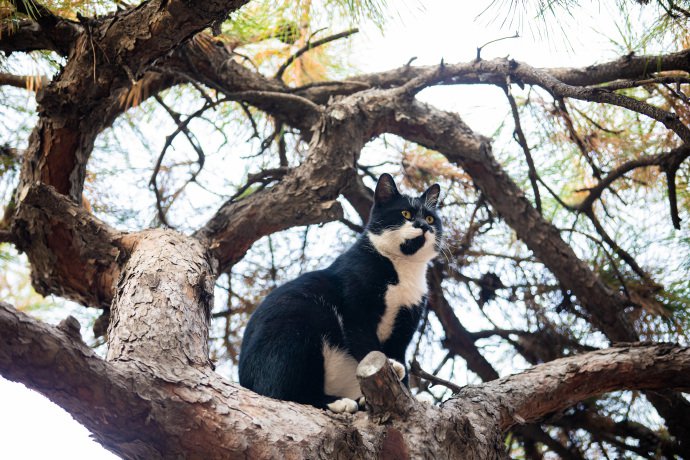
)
(597, 320)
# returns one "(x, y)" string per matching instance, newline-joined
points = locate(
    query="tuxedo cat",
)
(304, 341)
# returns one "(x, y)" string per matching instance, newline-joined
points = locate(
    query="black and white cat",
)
(304, 341)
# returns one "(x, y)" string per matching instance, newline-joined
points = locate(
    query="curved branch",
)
(446, 133)
(306, 195)
(72, 253)
(495, 72)
(554, 386)
(129, 408)
(677, 155)
(28, 35)
(310, 46)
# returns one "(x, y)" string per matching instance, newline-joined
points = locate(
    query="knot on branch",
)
(386, 396)
(71, 327)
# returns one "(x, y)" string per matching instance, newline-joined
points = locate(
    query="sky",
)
(442, 29)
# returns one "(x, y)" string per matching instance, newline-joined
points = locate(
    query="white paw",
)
(362, 401)
(398, 368)
(344, 405)
(424, 398)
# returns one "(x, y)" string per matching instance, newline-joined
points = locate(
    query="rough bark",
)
(156, 396)
(143, 405)
(72, 253)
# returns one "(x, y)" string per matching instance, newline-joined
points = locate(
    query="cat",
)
(304, 341)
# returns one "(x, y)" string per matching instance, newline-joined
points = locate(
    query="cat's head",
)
(402, 226)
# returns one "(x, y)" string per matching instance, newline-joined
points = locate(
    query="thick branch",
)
(192, 414)
(28, 35)
(304, 196)
(60, 366)
(448, 134)
(72, 253)
(110, 55)
(495, 72)
(554, 386)
(212, 64)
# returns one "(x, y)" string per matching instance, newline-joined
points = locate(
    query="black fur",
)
(281, 352)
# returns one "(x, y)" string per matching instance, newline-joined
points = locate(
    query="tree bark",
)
(140, 404)
(156, 395)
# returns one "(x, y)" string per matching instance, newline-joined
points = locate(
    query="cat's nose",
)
(421, 224)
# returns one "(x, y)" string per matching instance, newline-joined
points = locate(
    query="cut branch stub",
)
(385, 394)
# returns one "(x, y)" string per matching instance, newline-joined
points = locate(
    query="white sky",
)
(443, 29)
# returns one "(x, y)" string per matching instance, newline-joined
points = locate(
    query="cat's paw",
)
(362, 401)
(425, 398)
(398, 368)
(344, 405)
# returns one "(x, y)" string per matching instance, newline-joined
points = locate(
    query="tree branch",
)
(72, 253)
(554, 386)
(447, 133)
(128, 406)
(458, 340)
(30, 82)
(332, 156)
(310, 46)
(28, 35)
(522, 140)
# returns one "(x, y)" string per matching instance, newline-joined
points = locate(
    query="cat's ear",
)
(385, 189)
(430, 197)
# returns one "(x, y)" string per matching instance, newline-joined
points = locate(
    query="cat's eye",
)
(406, 214)
(429, 220)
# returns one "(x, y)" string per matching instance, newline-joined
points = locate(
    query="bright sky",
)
(443, 29)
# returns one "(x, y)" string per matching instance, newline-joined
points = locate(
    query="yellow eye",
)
(407, 214)
(429, 219)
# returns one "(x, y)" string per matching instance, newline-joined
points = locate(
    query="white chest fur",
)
(409, 291)
(411, 271)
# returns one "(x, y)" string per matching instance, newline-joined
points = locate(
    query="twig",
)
(264, 177)
(417, 370)
(556, 197)
(351, 225)
(480, 48)
(253, 96)
(599, 126)
(574, 135)
(625, 84)
(522, 140)
(320, 84)
(182, 126)
(30, 82)
(608, 255)
(309, 46)
(249, 115)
